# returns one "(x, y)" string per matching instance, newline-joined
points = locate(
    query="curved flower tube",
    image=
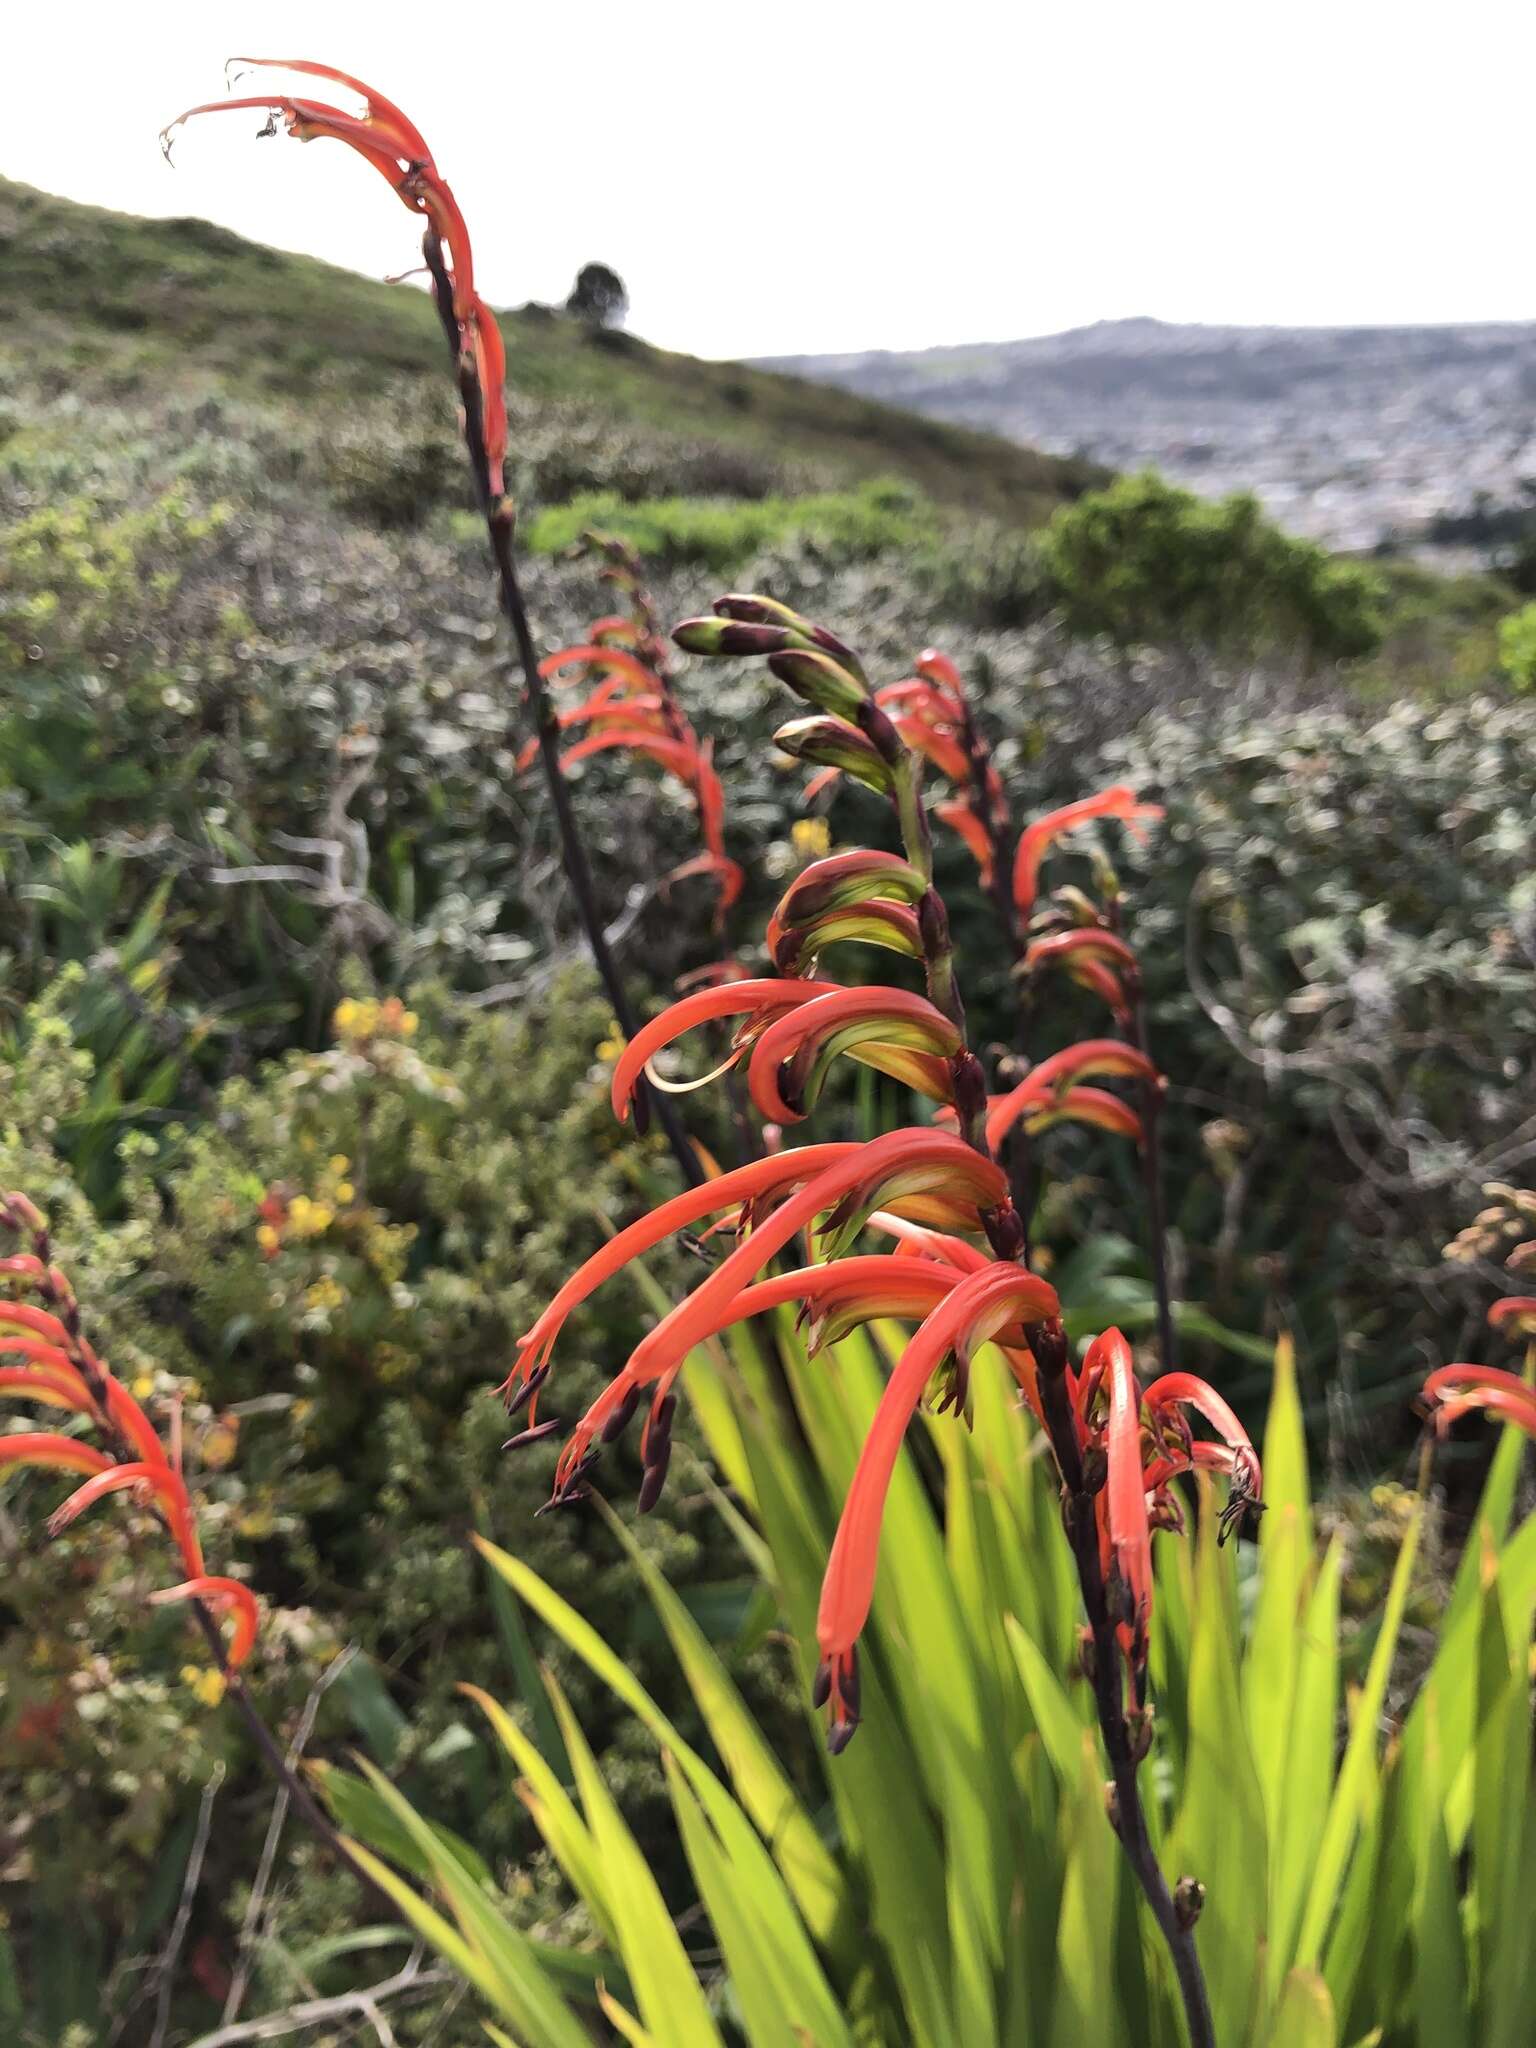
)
(53, 1389)
(1455, 1390)
(758, 1000)
(840, 879)
(961, 819)
(878, 1025)
(619, 664)
(44, 1447)
(224, 1596)
(976, 1309)
(1053, 1076)
(1515, 1313)
(894, 1165)
(1084, 942)
(160, 1482)
(1125, 1495)
(1036, 840)
(891, 926)
(745, 1185)
(394, 147)
(1087, 1106)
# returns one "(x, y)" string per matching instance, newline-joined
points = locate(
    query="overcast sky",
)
(840, 175)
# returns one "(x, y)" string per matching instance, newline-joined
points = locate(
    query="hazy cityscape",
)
(1352, 435)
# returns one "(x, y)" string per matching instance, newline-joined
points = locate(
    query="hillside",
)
(105, 297)
(1350, 434)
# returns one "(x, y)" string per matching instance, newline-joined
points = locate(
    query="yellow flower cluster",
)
(308, 1218)
(206, 1685)
(357, 1019)
(325, 1294)
(811, 838)
(609, 1048)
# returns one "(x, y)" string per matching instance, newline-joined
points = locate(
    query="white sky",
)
(842, 175)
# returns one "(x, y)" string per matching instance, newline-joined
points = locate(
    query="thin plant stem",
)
(541, 713)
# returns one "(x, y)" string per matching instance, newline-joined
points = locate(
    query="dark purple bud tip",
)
(848, 1685)
(621, 1417)
(567, 1499)
(536, 1435)
(751, 610)
(840, 1734)
(650, 1487)
(519, 1398)
(821, 1684)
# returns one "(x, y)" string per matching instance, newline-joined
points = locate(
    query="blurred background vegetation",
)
(257, 744)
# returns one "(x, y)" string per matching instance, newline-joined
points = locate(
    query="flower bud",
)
(820, 680)
(728, 636)
(831, 743)
(753, 610)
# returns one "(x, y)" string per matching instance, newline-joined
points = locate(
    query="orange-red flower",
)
(634, 708)
(1036, 841)
(975, 1309)
(1456, 1390)
(384, 138)
(63, 1371)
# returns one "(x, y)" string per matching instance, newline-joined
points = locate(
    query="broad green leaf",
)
(1084, 1933)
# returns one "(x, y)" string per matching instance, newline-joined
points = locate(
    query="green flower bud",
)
(830, 743)
(820, 681)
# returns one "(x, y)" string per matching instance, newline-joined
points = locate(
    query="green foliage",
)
(952, 1877)
(842, 526)
(1517, 647)
(1145, 563)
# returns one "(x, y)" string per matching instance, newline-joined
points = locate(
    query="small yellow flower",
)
(345, 1192)
(307, 1218)
(325, 1294)
(143, 1386)
(206, 1685)
(218, 1446)
(338, 1162)
(409, 1021)
(268, 1236)
(345, 1017)
(811, 837)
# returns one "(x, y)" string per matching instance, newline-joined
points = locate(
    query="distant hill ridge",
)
(1350, 433)
(101, 295)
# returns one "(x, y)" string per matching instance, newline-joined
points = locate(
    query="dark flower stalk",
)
(385, 139)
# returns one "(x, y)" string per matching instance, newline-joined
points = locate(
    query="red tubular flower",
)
(748, 1185)
(1037, 839)
(1125, 1495)
(893, 1030)
(976, 1309)
(1087, 1106)
(961, 819)
(1087, 942)
(395, 148)
(63, 1453)
(1053, 1076)
(759, 1001)
(224, 1596)
(1456, 1390)
(158, 1481)
(882, 1173)
(1516, 1313)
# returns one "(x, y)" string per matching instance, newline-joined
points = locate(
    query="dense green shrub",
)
(846, 526)
(1517, 647)
(1146, 563)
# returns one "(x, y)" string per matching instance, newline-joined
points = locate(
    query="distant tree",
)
(1146, 564)
(598, 296)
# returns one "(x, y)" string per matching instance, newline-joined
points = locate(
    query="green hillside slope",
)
(105, 295)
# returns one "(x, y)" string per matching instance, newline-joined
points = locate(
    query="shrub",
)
(1517, 647)
(1146, 563)
(846, 526)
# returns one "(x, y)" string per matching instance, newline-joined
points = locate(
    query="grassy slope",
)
(109, 294)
